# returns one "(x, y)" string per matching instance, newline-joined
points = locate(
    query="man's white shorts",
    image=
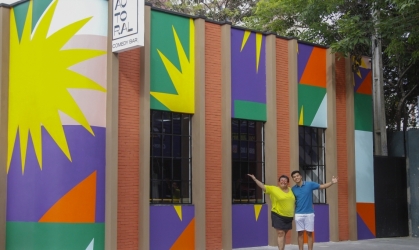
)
(304, 222)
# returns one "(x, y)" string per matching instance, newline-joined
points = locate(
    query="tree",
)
(400, 30)
(347, 26)
(218, 10)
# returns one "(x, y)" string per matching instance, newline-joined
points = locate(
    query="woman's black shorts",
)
(281, 222)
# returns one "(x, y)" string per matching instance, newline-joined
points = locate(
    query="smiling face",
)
(283, 183)
(297, 178)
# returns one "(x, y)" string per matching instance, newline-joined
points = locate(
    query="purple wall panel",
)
(166, 226)
(304, 52)
(247, 232)
(247, 84)
(30, 195)
(321, 224)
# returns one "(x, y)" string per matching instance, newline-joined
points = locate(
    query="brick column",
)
(213, 138)
(331, 147)
(284, 115)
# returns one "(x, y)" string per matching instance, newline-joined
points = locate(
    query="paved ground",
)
(377, 244)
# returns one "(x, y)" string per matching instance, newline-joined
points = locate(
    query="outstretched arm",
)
(260, 184)
(326, 185)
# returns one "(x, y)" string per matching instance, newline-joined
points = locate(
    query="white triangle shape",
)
(91, 245)
(320, 119)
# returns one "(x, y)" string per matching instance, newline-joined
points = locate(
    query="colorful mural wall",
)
(250, 225)
(364, 165)
(248, 101)
(248, 75)
(172, 88)
(172, 72)
(57, 124)
(312, 96)
(322, 226)
(176, 224)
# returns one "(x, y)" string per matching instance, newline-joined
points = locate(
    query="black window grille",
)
(312, 158)
(170, 157)
(248, 150)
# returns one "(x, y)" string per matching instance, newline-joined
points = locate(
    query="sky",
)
(9, 1)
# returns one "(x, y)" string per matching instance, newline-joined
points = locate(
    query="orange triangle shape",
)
(366, 85)
(186, 240)
(315, 72)
(76, 206)
(367, 213)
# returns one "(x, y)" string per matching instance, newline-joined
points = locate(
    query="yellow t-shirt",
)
(282, 203)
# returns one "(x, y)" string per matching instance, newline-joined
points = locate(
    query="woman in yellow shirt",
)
(283, 206)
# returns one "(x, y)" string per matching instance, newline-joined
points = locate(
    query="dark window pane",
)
(243, 130)
(185, 172)
(167, 168)
(252, 128)
(259, 132)
(185, 124)
(235, 149)
(156, 169)
(243, 149)
(170, 162)
(252, 151)
(156, 121)
(177, 169)
(177, 146)
(155, 190)
(177, 125)
(167, 123)
(311, 158)
(185, 192)
(185, 149)
(167, 145)
(156, 149)
(248, 157)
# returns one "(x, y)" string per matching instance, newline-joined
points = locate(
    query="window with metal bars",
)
(312, 158)
(248, 150)
(170, 157)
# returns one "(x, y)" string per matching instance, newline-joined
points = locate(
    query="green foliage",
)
(233, 11)
(347, 26)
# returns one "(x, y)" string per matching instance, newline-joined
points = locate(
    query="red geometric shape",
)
(76, 206)
(367, 213)
(366, 85)
(186, 240)
(315, 71)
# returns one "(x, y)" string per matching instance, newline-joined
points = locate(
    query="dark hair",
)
(295, 172)
(284, 176)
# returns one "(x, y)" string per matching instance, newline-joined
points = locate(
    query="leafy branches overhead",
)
(347, 26)
(218, 10)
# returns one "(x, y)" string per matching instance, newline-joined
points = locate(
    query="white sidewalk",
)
(407, 243)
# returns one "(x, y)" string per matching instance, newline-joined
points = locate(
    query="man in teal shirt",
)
(304, 212)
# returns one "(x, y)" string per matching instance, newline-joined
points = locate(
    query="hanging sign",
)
(127, 25)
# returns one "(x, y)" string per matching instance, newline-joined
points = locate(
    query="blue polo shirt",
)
(304, 197)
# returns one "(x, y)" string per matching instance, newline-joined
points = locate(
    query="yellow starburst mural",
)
(39, 82)
(183, 79)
